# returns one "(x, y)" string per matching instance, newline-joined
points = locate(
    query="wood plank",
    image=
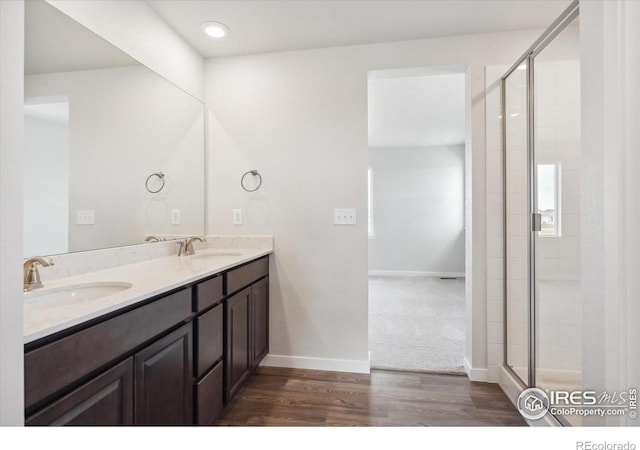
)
(297, 397)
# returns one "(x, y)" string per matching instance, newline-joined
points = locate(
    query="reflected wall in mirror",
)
(97, 124)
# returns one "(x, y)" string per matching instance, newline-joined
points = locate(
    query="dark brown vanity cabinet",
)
(237, 348)
(171, 360)
(208, 351)
(246, 322)
(132, 368)
(259, 319)
(105, 400)
(163, 393)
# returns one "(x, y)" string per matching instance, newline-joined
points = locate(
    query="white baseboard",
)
(509, 385)
(412, 273)
(481, 375)
(304, 362)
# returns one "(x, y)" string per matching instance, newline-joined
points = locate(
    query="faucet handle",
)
(182, 245)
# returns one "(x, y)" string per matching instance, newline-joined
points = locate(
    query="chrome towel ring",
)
(160, 176)
(255, 174)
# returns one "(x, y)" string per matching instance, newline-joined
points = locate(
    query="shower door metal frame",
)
(567, 16)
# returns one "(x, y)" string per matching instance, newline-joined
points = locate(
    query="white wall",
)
(137, 30)
(417, 108)
(301, 119)
(418, 207)
(115, 143)
(46, 183)
(11, 141)
(610, 45)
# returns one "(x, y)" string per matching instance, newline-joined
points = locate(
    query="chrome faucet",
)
(152, 239)
(31, 275)
(182, 244)
(189, 250)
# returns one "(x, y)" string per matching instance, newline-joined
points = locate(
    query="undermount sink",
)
(214, 255)
(74, 294)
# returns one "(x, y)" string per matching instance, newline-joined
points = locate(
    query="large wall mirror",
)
(114, 153)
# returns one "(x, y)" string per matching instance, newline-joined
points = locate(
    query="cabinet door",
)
(105, 400)
(209, 396)
(163, 374)
(259, 313)
(237, 363)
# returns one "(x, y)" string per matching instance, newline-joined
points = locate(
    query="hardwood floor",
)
(295, 397)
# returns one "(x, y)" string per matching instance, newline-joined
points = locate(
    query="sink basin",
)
(74, 294)
(210, 255)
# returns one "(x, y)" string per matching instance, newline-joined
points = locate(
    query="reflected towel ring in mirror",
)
(255, 174)
(160, 183)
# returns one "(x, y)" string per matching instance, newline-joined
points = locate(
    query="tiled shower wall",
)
(559, 296)
(495, 229)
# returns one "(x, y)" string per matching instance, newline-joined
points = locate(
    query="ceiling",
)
(56, 43)
(417, 111)
(280, 25)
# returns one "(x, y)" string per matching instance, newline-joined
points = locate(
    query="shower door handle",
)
(536, 222)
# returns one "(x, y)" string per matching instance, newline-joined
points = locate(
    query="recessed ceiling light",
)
(215, 30)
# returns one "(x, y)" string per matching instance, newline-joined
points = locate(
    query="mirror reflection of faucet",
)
(31, 279)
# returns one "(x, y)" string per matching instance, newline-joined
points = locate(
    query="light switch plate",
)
(176, 216)
(237, 217)
(344, 216)
(85, 217)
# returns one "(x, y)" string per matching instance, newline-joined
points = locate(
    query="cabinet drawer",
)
(55, 366)
(208, 293)
(209, 396)
(247, 274)
(209, 339)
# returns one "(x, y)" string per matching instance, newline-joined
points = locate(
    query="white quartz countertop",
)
(147, 279)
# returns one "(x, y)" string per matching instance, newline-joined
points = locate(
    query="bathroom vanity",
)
(173, 358)
(124, 332)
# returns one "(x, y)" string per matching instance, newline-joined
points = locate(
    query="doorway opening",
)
(418, 123)
(46, 183)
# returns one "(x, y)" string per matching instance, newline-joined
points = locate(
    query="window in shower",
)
(549, 199)
(370, 203)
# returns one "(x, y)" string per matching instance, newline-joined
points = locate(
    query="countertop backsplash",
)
(71, 264)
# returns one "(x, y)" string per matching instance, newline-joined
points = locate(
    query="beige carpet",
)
(416, 323)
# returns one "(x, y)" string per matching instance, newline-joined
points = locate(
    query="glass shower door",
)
(516, 223)
(556, 159)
